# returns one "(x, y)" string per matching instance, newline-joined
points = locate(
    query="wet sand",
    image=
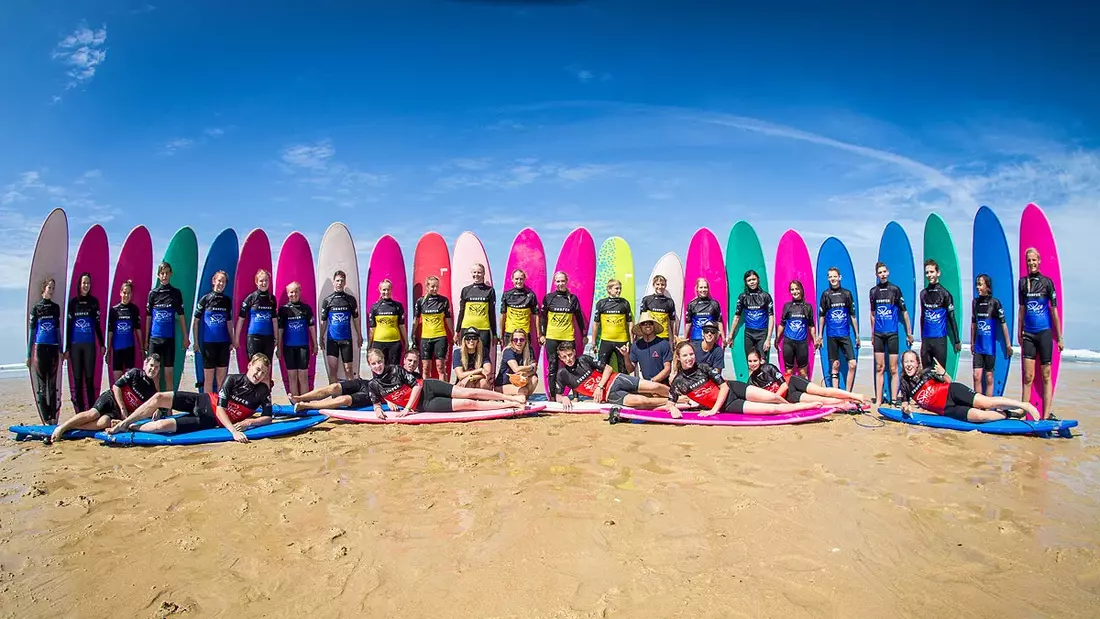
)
(559, 516)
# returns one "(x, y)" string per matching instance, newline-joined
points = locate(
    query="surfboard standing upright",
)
(528, 255)
(255, 255)
(792, 262)
(183, 255)
(222, 256)
(991, 257)
(577, 259)
(135, 264)
(833, 253)
(940, 246)
(387, 262)
(743, 253)
(468, 252)
(338, 254)
(704, 260)
(616, 261)
(431, 257)
(94, 258)
(50, 259)
(1035, 232)
(895, 251)
(671, 268)
(296, 265)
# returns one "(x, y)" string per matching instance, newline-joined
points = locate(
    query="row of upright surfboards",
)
(588, 269)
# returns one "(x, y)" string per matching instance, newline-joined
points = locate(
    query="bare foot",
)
(55, 436)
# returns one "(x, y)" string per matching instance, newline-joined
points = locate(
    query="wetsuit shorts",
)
(296, 357)
(1038, 346)
(391, 351)
(796, 353)
(357, 390)
(199, 409)
(435, 397)
(986, 363)
(960, 399)
(622, 386)
(754, 340)
(610, 350)
(433, 348)
(735, 400)
(261, 343)
(886, 343)
(796, 386)
(933, 349)
(841, 345)
(123, 359)
(215, 355)
(106, 405)
(339, 348)
(166, 348)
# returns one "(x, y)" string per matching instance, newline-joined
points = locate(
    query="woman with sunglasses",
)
(518, 370)
(472, 367)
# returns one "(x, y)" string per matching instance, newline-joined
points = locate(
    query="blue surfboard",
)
(991, 257)
(894, 250)
(833, 253)
(279, 427)
(1044, 429)
(221, 257)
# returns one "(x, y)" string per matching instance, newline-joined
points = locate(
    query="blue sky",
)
(632, 118)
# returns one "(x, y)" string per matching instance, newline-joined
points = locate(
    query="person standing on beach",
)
(937, 319)
(560, 320)
(754, 307)
(476, 306)
(432, 329)
(837, 322)
(260, 309)
(83, 339)
(612, 322)
(386, 324)
(1038, 328)
(795, 331)
(887, 306)
(44, 350)
(519, 311)
(164, 323)
(339, 324)
(213, 330)
(123, 332)
(662, 308)
(987, 316)
(701, 310)
(296, 339)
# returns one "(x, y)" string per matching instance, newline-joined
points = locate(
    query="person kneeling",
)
(129, 392)
(231, 408)
(933, 390)
(586, 376)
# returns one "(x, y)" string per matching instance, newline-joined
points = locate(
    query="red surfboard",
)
(432, 257)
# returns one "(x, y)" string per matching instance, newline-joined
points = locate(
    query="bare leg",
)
(758, 408)
(851, 374)
(642, 402)
(220, 374)
(985, 402)
(327, 391)
(466, 393)
(441, 370)
(977, 415)
(160, 426)
(349, 371)
(426, 368)
(1028, 367)
(836, 369)
(895, 379)
(332, 364)
(167, 377)
(88, 420)
(208, 380)
(988, 384)
(756, 394)
(463, 404)
(339, 401)
(978, 380)
(835, 394)
(880, 375)
(649, 387)
(1048, 390)
(162, 399)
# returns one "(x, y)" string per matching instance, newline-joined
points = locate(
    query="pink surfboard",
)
(528, 255)
(255, 255)
(370, 416)
(792, 261)
(582, 407)
(431, 257)
(93, 257)
(296, 265)
(387, 262)
(468, 252)
(1035, 232)
(722, 419)
(704, 260)
(135, 263)
(578, 260)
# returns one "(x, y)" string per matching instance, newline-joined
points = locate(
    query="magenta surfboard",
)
(578, 260)
(1035, 232)
(792, 262)
(296, 265)
(721, 419)
(528, 255)
(387, 262)
(135, 263)
(370, 416)
(255, 255)
(704, 260)
(94, 258)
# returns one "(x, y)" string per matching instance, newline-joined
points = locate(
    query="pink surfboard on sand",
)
(704, 260)
(721, 419)
(1035, 232)
(387, 262)
(528, 255)
(578, 260)
(93, 257)
(135, 263)
(792, 261)
(255, 255)
(296, 265)
(370, 416)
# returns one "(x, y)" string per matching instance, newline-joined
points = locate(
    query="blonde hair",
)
(374, 352)
(260, 358)
(526, 346)
(478, 354)
(660, 278)
(431, 278)
(260, 272)
(611, 282)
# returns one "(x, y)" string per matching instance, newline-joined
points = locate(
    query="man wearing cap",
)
(709, 350)
(650, 352)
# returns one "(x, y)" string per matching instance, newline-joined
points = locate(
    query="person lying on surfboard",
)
(231, 408)
(932, 390)
(588, 377)
(411, 363)
(705, 385)
(518, 367)
(130, 391)
(795, 388)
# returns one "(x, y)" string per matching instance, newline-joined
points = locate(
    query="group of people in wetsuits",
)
(672, 371)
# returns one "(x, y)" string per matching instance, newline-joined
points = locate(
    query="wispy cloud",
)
(486, 173)
(214, 131)
(32, 188)
(82, 51)
(175, 145)
(313, 166)
(586, 76)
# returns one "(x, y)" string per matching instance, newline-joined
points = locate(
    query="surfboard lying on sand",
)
(1043, 428)
(720, 419)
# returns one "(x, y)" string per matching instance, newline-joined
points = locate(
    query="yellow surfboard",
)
(615, 261)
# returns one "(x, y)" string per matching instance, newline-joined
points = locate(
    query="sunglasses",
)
(519, 340)
(471, 338)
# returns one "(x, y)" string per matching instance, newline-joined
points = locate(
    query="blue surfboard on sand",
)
(221, 257)
(991, 257)
(894, 250)
(1045, 429)
(833, 253)
(280, 427)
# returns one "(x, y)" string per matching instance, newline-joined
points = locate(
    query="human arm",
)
(723, 392)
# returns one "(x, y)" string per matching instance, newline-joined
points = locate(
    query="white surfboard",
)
(670, 266)
(338, 254)
(468, 251)
(50, 259)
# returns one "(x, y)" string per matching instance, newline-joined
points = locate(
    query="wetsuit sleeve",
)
(324, 306)
(532, 302)
(974, 309)
(1052, 294)
(408, 378)
(718, 309)
(98, 324)
(1021, 292)
(310, 320)
(674, 389)
(374, 392)
(579, 315)
(69, 327)
(401, 313)
(30, 327)
(689, 312)
(543, 314)
(354, 306)
(564, 379)
(112, 320)
(899, 300)
(177, 302)
(590, 363)
(952, 326)
(246, 305)
(223, 393)
(200, 305)
(149, 303)
(998, 310)
(371, 315)
(737, 310)
(851, 303)
(712, 373)
(492, 315)
(265, 405)
(417, 305)
(769, 307)
(598, 310)
(822, 301)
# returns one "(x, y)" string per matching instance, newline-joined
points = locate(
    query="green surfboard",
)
(615, 261)
(939, 246)
(743, 252)
(183, 255)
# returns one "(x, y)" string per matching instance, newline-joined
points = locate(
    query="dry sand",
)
(559, 516)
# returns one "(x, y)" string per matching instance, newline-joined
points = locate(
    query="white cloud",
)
(586, 76)
(171, 147)
(486, 174)
(214, 131)
(82, 51)
(313, 165)
(311, 156)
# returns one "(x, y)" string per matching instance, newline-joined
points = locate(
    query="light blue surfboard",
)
(894, 250)
(221, 257)
(991, 257)
(833, 253)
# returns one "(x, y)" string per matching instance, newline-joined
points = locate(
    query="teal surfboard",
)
(743, 252)
(939, 246)
(183, 255)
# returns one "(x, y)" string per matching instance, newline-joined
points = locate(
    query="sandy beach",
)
(559, 516)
